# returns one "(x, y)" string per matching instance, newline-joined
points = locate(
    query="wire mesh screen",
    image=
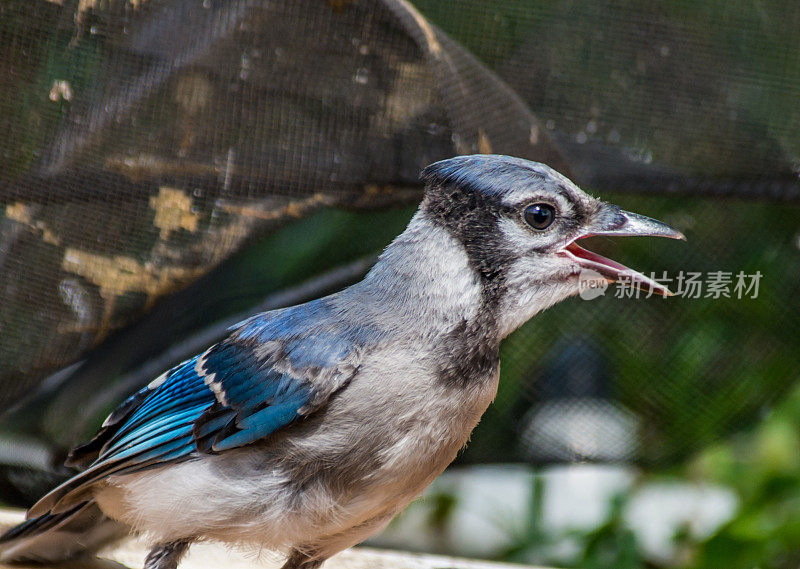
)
(149, 147)
(147, 141)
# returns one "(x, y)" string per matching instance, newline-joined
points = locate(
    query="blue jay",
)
(308, 428)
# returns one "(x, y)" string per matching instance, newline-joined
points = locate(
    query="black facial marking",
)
(472, 218)
(477, 356)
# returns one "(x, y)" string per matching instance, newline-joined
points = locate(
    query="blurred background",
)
(168, 167)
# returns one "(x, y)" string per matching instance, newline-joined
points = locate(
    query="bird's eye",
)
(540, 215)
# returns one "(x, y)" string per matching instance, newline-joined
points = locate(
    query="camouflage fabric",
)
(146, 141)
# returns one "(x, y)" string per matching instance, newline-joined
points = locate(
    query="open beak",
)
(614, 221)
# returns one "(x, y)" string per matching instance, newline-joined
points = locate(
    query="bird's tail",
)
(51, 538)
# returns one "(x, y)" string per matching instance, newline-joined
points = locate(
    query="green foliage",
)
(533, 542)
(612, 545)
(763, 466)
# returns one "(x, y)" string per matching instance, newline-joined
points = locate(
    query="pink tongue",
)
(613, 270)
(579, 251)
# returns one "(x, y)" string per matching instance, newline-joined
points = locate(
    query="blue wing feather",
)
(167, 425)
(232, 395)
(182, 387)
(261, 424)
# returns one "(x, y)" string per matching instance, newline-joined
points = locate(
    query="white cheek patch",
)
(459, 288)
(437, 277)
(533, 285)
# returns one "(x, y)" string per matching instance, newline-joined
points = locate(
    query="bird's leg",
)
(299, 560)
(166, 555)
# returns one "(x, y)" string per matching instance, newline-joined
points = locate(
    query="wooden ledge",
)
(131, 554)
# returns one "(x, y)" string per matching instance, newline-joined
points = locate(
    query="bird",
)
(307, 429)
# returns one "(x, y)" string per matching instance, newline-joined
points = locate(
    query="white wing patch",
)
(157, 382)
(210, 379)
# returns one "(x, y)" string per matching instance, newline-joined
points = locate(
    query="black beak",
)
(614, 221)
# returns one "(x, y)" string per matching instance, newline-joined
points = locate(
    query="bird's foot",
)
(166, 555)
(300, 560)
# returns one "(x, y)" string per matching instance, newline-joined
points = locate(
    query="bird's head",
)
(519, 223)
